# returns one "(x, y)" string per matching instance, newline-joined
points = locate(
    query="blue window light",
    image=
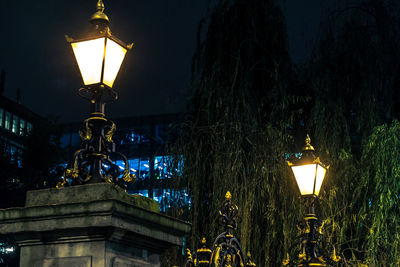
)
(7, 120)
(1, 117)
(15, 124)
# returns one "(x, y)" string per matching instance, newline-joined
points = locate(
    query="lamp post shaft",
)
(311, 240)
(311, 255)
(97, 116)
(96, 103)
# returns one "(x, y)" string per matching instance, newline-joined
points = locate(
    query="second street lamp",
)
(99, 56)
(309, 173)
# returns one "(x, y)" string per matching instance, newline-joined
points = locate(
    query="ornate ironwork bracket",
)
(94, 162)
(308, 250)
(227, 251)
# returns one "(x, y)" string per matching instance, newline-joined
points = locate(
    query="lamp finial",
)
(99, 15)
(100, 6)
(308, 146)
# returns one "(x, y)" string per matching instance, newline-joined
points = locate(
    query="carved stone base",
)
(90, 226)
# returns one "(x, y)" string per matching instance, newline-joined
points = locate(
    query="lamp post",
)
(309, 173)
(99, 56)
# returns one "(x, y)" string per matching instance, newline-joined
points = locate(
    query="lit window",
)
(144, 168)
(22, 124)
(15, 124)
(120, 164)
(1, 117)
(7, 121)
(140, 167)
(134, 165)
(28, 127)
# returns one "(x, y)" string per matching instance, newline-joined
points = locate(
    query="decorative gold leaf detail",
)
(110, 133)
(189, 254)
(86, 135)
(61, 184)
(303, 254)
(108, 179)
(334, 257)
(128, 177)
(287, 260)
(321, 227)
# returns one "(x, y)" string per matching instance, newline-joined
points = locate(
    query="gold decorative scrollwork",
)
(189, 254)
(228, 261)
(109, 134)
(75, 171)
(303, 255)
(108, 179)
(216, 255)
(320, 228)
(249, 260)
(86, 134)
(308, 229)
(334, 257)
(128, 177)
(287, 260)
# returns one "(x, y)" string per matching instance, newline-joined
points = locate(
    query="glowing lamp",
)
(100, 55)
(308, 171)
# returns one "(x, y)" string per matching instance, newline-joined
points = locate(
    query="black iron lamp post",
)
(309, 173)
(99, 56)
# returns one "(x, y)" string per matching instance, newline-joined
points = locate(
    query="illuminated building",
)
(16, 120)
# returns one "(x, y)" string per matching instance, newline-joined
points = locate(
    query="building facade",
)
(16, 120)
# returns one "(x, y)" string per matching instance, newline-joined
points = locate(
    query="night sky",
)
(156, 72)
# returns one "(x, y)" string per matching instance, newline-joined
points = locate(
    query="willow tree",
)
(236, 135)
(353, 81)
(248, 104)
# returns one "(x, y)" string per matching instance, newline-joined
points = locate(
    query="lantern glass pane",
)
(305, 177)
(115, 54)
(90, 55)
(319, 178)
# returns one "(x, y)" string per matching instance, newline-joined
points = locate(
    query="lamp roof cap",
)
(99, 15)
(308, 146)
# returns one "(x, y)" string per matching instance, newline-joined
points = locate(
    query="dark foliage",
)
(250, 104)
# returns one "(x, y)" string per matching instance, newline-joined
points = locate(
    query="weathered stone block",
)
(61, 262)
(87, 193)
(90, 225)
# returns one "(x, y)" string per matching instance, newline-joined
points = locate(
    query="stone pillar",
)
(91, 225)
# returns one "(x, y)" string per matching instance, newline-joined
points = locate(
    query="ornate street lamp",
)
(99, 56)
(309, 173)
